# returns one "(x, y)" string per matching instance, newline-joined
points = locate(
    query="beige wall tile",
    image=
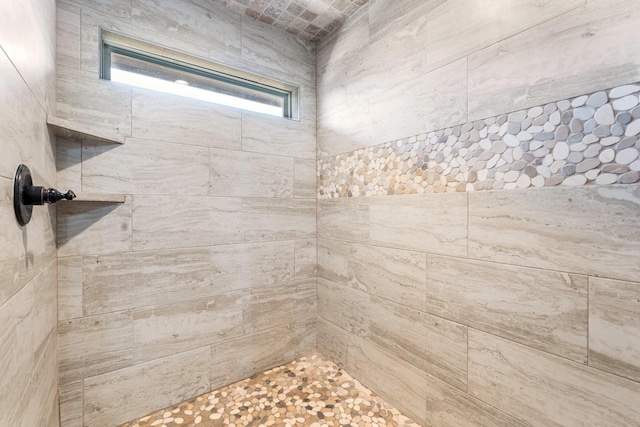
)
(386, 20)
(306, 336)
(71, 404)
(68, 164)
(94, 228)
(34, 56)
(332, 88)
(402, 384)
(199, 122)
(304, 180)
(449, 407)
(403, 111)
(133, 279)
(452, 34)
(435, 345)
(279, 136)
(251, 265)
(17, 347)
(119, 8)
(286, 304)
(240, 174)
(333, 342)
(346, 219)
(345, 307)
(68, 43)
(239, 358)
(614, 327)
(123, 395)
(145, 167)
(519, 79)
(428, 223)
(278, 219)
(305, 254)
(94, 345)
(45, 311)
(542, 309)
(542, 389)
(344, 131)
(352, 36)
(202, 221)
(333, 261)
(393, 274)
(162, 330)
(600, 237)
(98, 104)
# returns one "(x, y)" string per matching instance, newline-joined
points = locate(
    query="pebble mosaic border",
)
(589, 139)
(310, 391)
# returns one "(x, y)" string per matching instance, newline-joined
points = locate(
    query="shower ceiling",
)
(307, 19)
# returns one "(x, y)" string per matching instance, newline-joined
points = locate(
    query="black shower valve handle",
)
(39, 195)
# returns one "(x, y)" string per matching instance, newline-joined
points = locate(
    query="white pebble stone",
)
(608, 141)
(561, 150)
(524, 181)
(544, 171)
(517, 153)
(578, 147)
(605, 115)
(535, 112)
(555, 118)
(626, 156)
(511, 176)
(575, 180)
(625, 103)
(607, 155)
(592, 174)
(621, 91)
(635, 166)
(579, 101)
(633, 128)
(564, 105)
(590, 139)
(538, 181)
(511, 140)
(606, 179)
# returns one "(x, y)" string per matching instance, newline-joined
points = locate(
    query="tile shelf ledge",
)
(99, 198)
(73, 130)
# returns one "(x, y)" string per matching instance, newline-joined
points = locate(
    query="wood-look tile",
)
(278, 219)
(614, 327)
(128, 280)
(542, 309)
(251, 265)
(519, 79)
(94, 228)
(94, 345)
(116, 8)
(333, 260)
(239, 358)
(241, 174)
(402, 111)
(600, 237)
(190, 221)
(279, 136)
(345, 219)
(452, 35)
(345, 307)
(393, 274)
(388, 19)
(163, 330)
(68, 43)
(71, 404)
(305, 258)
(449, 407)
(45, 310)
(352, 36)
(304, 178)
(435, 345)
(97, 104)
(402, 384)
(123, 395)
(434, 223)
(284, 304)
(332, 88)
(333, 342)
(145, 167)
(199, 122)
(543, 389)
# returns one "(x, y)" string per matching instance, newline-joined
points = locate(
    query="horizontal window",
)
(137, 63)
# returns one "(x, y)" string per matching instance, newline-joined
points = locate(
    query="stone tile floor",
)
(311, 391)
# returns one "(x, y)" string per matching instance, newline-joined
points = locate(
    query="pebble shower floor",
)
(310, 391)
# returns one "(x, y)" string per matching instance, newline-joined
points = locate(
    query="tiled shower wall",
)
(206, 274)
(28, 338)
(511, 307)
